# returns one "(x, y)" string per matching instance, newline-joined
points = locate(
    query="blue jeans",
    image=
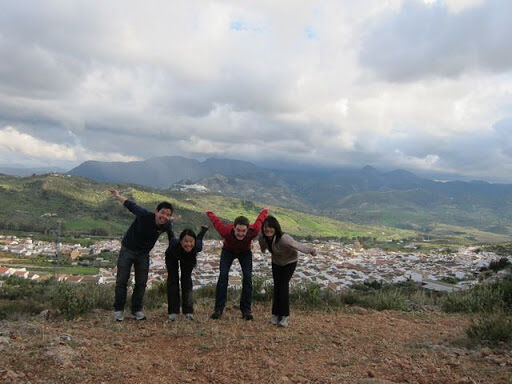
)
(221, 293)
(140, 262)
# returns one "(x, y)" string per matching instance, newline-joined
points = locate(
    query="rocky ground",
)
(351, 345)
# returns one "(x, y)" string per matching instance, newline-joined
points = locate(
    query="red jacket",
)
(231, 243)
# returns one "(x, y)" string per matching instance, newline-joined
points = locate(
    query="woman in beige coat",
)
(284, 261)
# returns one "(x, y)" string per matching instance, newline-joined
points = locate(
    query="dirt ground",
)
(351, 345)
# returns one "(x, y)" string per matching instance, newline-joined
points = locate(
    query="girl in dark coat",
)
(182, 254)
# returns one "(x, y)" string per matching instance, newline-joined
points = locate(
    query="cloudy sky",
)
(413, 84)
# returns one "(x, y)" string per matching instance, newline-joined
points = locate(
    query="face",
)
(268, 231)
(240, 231)
(188, 243)
(162, 216)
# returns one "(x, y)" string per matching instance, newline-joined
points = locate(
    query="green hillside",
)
(85, 207)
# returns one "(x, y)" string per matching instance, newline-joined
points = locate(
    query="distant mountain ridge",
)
(159, 172)
(397, 198)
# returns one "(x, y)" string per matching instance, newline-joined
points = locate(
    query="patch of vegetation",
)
(491, 329)
(483, 298)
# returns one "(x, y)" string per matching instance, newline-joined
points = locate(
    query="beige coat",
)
(285, 250)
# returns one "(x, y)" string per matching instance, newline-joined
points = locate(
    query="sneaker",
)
(173, 316)
(119, 315)
(189, 316)
(285, 321)
(139, 315)
(216, 315)
(247, 316)
(274, 320)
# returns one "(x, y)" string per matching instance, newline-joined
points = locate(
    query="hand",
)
(114, 192)
(204, 227)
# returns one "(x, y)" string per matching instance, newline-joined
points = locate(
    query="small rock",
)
(65, 337)
(359, 310)
(4, 340)
(45, 314)
(371, 373)
(486, 352)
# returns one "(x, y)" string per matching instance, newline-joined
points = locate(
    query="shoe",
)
(284, 322)
(119, 315)
(189, 316)
(173, 316)
(139, 315)
(216, 315)
(247, 316)
(274, 320)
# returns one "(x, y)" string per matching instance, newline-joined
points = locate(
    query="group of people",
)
(181, 255)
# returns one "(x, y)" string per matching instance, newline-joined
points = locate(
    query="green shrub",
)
(313, 296)
(492, 329)
(487, 298)
(262, 289)
(156, 296)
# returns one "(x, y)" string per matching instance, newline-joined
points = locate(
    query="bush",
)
(313, 296)
(498, 265)
(26, 296)
(404, 296)
(486, 298)
(262, 288)
(491, 329)
(156, 296)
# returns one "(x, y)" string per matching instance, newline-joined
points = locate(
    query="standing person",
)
(138, 240)
(237, 245)
(182, 254)
(284, 261)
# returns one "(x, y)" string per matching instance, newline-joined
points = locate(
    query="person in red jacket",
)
(237, 245)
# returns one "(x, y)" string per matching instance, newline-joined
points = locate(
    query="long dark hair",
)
(272, 222)
(187, 232)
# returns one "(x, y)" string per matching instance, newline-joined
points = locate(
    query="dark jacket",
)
(176, 251)
(143, 233)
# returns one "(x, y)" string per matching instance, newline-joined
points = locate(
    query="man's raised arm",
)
(130, 205)
(118, 197)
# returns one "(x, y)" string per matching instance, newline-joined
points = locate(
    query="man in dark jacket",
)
(237, 245)
(137, 242)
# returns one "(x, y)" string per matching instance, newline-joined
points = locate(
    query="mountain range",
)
(366, 196)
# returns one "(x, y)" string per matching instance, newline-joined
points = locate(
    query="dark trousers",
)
(173, 285)
(140, 262)
(281, 300)
(221, 293)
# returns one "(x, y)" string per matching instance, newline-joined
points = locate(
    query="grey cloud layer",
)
(421, 41)
(284, 84)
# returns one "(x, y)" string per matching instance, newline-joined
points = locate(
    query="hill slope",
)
(86, 207)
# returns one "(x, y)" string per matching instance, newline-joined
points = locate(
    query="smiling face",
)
(240, 231)
(162, 216)
(268, 231)
(188, 243)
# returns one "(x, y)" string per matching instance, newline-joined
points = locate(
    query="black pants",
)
(281, 300)
(140, 262)
(173, 285)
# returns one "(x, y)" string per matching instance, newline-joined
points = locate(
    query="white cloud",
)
(14, 142)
